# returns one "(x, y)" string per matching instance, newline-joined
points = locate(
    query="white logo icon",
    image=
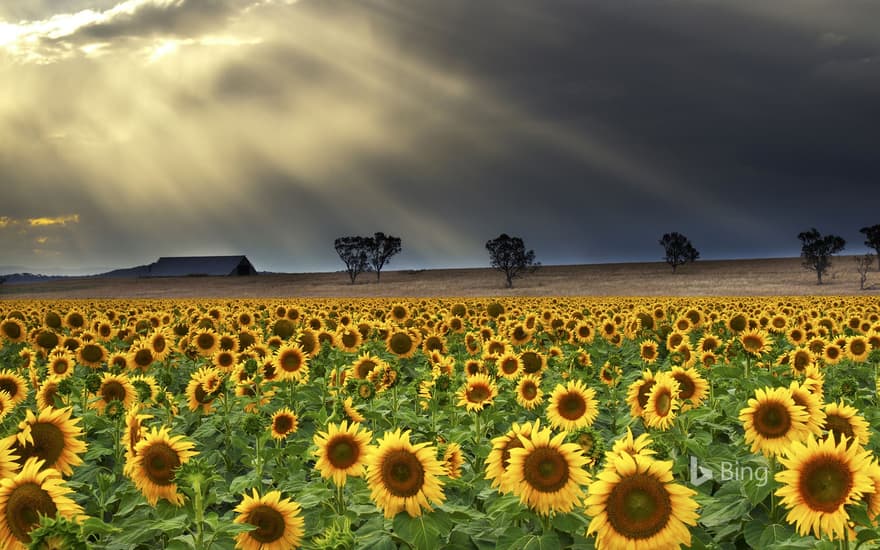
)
(699, 474)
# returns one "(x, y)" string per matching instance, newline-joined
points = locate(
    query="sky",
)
(136, 129)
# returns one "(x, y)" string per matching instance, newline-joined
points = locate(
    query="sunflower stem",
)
(772, 481)
(545, 523)
(340, 500)
(477, 429)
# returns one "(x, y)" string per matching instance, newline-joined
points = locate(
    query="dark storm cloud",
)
(587, 128)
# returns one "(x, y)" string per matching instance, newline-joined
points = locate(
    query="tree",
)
(863, 265)
(872, 239)
(354, 253)
(509, 255)
(381, 248)
(817, 250)
(679, 249)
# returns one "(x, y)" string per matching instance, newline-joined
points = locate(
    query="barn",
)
(200, 266)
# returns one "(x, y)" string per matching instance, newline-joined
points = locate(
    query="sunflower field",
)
(526, 423)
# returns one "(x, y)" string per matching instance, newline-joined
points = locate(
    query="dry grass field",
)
(765, 277)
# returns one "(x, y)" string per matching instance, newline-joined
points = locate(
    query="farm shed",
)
(201, 266)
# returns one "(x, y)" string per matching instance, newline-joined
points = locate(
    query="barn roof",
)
(184, 266)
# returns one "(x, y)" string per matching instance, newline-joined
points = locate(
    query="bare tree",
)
(872, 239)
(817, 250)
(509, 256)
(381, 248)
(354, 253)
(679, 250)
(863, 265)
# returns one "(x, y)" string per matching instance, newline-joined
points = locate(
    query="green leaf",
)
(537, 542)
(774, 534)
(421, 531)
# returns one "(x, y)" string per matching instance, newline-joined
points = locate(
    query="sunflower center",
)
(663, 403)
(343, 452)
(752, 343)
(546, 470)
(639, 506)
(402, 473)
(143, 358)
(529, 391)
(401, 343)
(839, 427)
(349, 339)
(283, 424)
(772, 420)
(92, 353)
(205, 341)
(159, 462)
(112, 390)
(12, 330)
(857, 347)
(270, 524)
(825, 484)
(291, 361)
(60, 366)
(572, 406)
(477, 393)
(509, 366)
(531, 362)
(26, 504)
(47, 339)
(159, 344)
(48, 444)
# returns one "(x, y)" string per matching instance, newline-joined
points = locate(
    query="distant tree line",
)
(508, 254)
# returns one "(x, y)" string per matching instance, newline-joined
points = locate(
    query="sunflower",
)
(799, 359)
(637, 393)
(203, 387)
(610, 374)
(279, 522)
(755, 342)
(452, 460)
(547, 474)
(53, 437)
(401, 343)
(34, 492)
(284, 423)
(772, 421)
(498, 460)
(709, 342)
(342, 451)
(477, 392)
(648, 351)
(92, 354)
(13, 330)
(157, 456)
(114, 388)
(61, 363)
(872, 500)
(528, 391)
(133, 434)
(14, 384)
(572, 406)
(6, 404)
(533, 361)
(349, 339)
(363, 365)
(832, 354)
(640, 445)
(206, 341)
(819, 479)
(584, 332)
(291, 363)
(857, 348)
(140, 356)
(509, 365)
(634, 503)
(403, 476)
(844, 421)
(663, 402)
